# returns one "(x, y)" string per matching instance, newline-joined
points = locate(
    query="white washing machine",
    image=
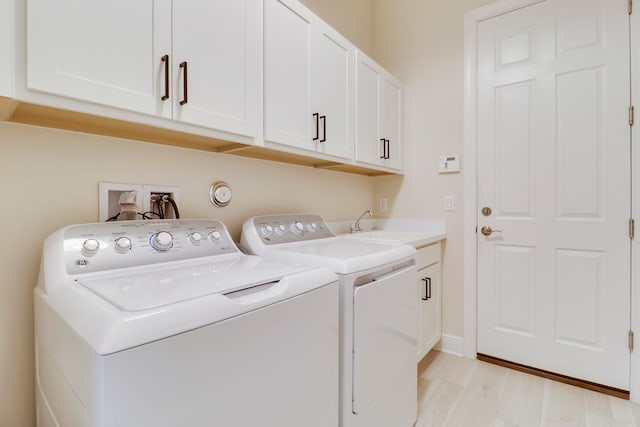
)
(167, 323)
(378, 313)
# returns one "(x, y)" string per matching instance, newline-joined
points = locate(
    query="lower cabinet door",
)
(430, 313)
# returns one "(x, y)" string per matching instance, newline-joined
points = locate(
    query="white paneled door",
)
(554, 171)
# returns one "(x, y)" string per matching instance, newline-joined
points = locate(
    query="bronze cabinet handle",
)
(427, 288)
(324, 128)
(165, 59)
(316, 118)
(185, 78)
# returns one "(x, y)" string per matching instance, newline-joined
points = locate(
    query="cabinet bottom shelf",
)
(38, 115)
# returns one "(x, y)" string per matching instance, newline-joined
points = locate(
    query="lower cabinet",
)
(428, 261)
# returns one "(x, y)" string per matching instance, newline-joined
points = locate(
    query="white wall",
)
(421, 42)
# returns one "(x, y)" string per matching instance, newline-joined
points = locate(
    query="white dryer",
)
(378, 313)
(167, 323)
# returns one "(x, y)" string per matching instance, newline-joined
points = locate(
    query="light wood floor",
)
(454, 391)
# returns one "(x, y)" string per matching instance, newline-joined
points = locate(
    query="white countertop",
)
(415, 232)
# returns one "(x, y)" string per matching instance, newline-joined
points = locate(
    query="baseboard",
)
(611, 391)
(451, 344)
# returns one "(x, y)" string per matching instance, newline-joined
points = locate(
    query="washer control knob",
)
(267, 230)
(312, 227)
(215, 235)
(123, 244)
(162, 241)
(280, 229)
(90, 247)
(195, 238)
(297, 227)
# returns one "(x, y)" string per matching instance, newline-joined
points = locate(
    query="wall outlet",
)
(449, 203)
(109, 199)
(383, 205)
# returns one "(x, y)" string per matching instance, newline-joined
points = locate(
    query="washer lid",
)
(343, 255)
(163, 285)
(116, 311)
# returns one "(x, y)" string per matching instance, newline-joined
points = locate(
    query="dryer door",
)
(385, 334)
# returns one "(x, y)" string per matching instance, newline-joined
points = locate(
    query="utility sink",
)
(390, 236)
(415, 232)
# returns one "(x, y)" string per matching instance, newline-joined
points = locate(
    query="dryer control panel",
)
(278, 229)
(109, 245)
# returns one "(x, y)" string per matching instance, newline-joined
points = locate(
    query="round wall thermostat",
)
(220, 194)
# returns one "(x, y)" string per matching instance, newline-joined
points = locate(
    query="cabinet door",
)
(378, 115)
(369, 147)
(429, 292)
(287, 74)
(219, 40)
(332, 92)
(390, 121)
(104, 52)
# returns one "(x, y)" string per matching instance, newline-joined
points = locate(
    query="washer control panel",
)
(277, 229)
(109, 245)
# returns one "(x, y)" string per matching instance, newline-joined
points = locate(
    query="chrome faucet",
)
(356, 225)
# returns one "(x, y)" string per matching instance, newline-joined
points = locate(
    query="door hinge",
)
(632, 228)
(630, 6)
(631, 115)
(630, 340)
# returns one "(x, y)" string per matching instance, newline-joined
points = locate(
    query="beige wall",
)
(50, 179)
(421, 42)
(351, 18)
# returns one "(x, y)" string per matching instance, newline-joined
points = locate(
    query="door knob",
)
(487, 231)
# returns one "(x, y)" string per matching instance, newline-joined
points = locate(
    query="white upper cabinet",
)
(369, 148)
(129, 54)
(390, 120)
(287, 74)
(332, 92)
(308, 81)
(265, 72)
(378, 115)
(103, 52)
(217, 45)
